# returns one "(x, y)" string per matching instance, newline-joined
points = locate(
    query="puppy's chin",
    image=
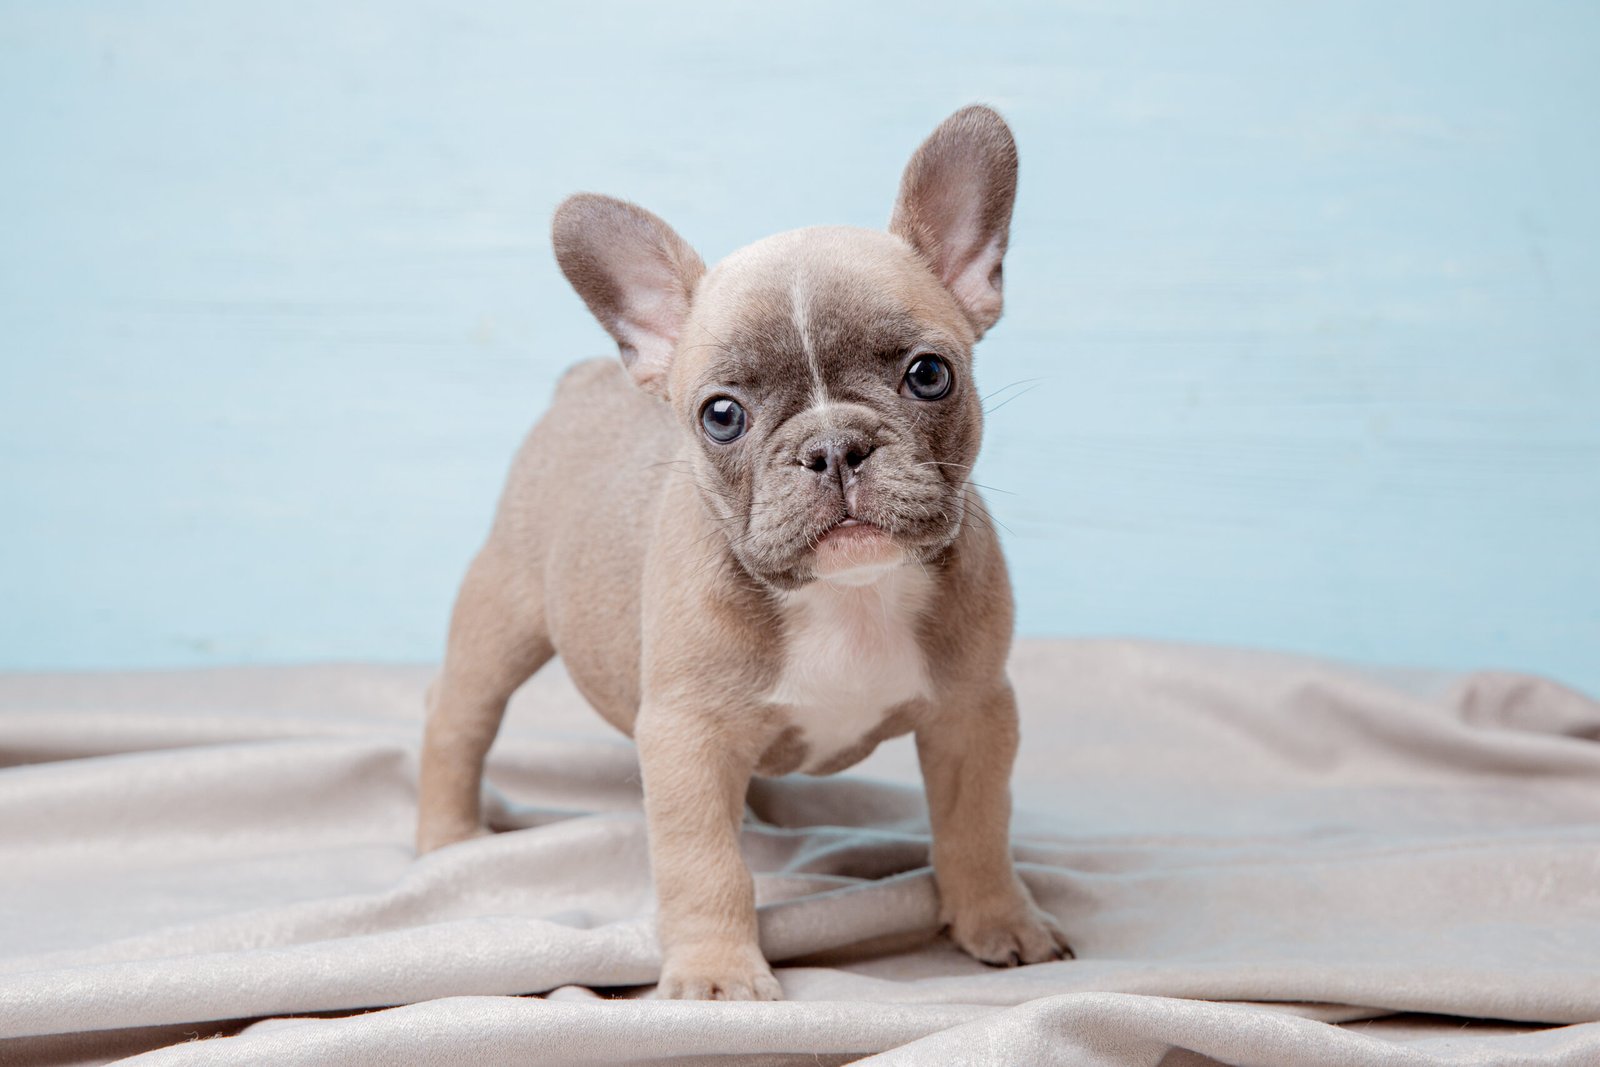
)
(857, 554)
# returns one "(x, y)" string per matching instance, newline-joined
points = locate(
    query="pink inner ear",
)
(949, 199)
(652, 313)
(971, 280)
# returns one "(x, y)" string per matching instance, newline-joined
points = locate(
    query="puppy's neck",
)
(864, 600)
(873, 575)
(852, 655)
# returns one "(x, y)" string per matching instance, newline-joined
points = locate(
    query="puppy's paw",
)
(717, 972)
(432, 837)
(1008, 936)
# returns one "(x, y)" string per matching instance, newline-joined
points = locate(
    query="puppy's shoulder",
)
(598, 394)
(601, 374)
(966, 632)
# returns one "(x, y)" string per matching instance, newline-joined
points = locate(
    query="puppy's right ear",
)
(636, 275)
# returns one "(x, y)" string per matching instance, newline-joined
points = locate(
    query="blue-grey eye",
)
(723, 419)
(928, 378)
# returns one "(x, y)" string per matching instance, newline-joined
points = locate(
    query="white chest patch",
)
(851, 654)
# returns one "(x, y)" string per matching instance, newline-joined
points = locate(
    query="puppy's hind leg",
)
(497, 641)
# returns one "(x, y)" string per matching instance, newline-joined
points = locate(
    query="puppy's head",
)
(824, 375)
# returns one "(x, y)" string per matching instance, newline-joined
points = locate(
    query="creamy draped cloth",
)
(1261, 859)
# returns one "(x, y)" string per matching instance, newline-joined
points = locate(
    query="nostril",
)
(832, 455)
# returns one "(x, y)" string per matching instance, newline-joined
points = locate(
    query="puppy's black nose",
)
(835, 454)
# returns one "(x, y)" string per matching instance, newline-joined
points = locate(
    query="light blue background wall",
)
(1309, 291)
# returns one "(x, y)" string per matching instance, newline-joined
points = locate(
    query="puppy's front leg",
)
(694, 792)
(966, 761)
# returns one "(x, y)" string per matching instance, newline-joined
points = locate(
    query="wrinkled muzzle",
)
(842, 488)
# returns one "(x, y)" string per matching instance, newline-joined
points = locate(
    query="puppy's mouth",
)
(855, 549)
(851, 529)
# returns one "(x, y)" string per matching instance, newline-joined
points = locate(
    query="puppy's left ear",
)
(955, 208)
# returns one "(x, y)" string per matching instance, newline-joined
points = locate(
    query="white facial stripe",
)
(800, 306)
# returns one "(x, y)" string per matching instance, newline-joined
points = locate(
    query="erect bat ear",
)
(635, 273)
(955, 208)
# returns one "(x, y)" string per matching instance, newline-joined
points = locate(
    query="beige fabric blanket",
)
(1261, 860)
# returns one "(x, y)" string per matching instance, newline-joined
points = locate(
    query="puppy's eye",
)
(928, 378)
(723, 419)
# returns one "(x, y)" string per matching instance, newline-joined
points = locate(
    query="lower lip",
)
(859, 531)
(854, 550)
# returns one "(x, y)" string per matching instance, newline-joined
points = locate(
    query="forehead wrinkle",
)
(859, 351)
(859, 312)
(815, 316)
(756, 339)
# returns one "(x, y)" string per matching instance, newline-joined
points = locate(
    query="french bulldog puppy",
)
(754, 544)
